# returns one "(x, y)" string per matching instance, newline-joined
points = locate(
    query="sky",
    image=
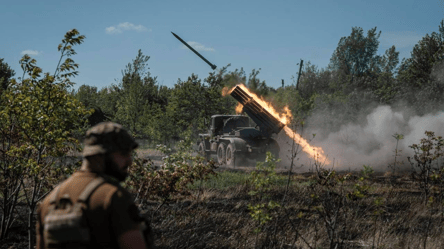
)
(269, 35)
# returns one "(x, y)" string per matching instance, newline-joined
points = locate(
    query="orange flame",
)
(239, 108)
(314, 152)
(226, 91)
(284, 118)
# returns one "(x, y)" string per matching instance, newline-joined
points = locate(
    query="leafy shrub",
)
(38, 121)
(262, 180)
(179, 170)
(426, 162)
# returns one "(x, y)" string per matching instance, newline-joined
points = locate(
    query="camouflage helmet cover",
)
(107, 137)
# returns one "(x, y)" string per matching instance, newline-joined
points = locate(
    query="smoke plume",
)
(371, 141)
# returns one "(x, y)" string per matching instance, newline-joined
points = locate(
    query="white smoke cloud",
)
(197, 46)
(31, 52)
(125, 26)
(370, 141)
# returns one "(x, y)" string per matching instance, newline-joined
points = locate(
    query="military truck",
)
(234, 139)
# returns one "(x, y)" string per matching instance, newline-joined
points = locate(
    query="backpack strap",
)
(83, 197)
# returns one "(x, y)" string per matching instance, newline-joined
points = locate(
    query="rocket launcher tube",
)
(268, 123)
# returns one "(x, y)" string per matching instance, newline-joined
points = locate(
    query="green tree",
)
(185, 105)
(5, 74)
(108, 98)
(89, 97)
(256, 85)
(389, 61)
(386, 87)
(138, 92)
(38, 120)
(215, 102)
(417, 73)
(191, 102)
(229, 79)
(416, 70)
(355, 55)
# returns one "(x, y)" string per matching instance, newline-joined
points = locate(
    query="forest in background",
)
(42, 118)
(357, 80)
(359, 86)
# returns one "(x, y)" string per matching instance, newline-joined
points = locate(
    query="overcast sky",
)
(271, 35)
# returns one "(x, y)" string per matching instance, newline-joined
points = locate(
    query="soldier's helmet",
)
(107, 137)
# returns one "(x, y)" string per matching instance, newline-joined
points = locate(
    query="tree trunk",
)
(30, 230)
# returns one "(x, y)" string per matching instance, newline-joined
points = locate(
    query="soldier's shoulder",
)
(110, 191)
(113, 185)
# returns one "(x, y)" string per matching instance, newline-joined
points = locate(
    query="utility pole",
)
(282, 83)
(299, 74)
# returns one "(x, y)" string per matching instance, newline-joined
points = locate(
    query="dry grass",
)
(216, 215)
(219, 218)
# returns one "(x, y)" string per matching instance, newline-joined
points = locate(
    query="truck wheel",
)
(201, 150)
(230, 157)
(221, 156)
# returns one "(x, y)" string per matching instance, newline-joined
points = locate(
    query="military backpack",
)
(65, 225)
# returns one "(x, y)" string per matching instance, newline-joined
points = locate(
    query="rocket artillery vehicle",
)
(233, 140)
(231, 137)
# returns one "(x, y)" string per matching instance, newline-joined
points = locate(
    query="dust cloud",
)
(369, 141)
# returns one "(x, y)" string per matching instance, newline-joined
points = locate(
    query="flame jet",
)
(270, 121)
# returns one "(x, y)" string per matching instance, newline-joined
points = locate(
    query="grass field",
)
(371, 212)
(325, 209)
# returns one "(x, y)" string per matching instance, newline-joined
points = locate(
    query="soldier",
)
(90, 209)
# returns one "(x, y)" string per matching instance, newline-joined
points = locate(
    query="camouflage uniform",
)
(109, 209)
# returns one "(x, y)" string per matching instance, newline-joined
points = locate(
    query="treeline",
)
(356, 80)
(155, 112)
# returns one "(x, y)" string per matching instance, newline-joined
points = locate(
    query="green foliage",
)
(186, 105)
(138, 93)
(108, 98)
(428, 150)
(264, 177)
(356, 81)
(67, 68)
(262, 213)
(418, 76)
(416, 70)
(426, 161)
(5, 74)
(192, 101)
(224, 180)
(361, 189)
(332, 197)
(356, 53)
(38, 121)
(180, 169)
(291, 97)
(89, 97)
(257, 86)
(262, 180)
